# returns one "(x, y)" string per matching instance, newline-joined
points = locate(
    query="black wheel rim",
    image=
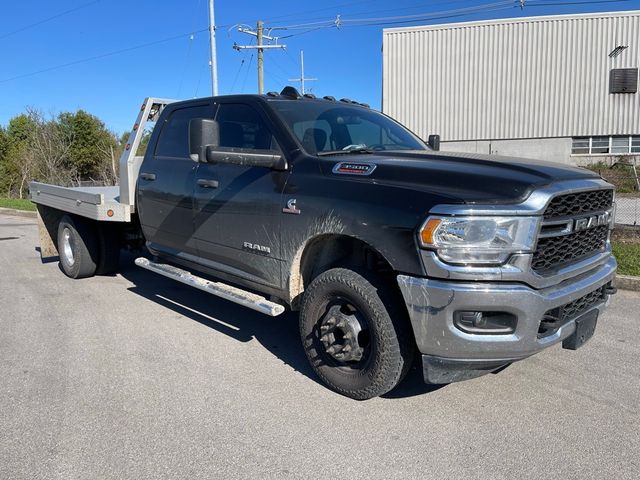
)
(344, 336)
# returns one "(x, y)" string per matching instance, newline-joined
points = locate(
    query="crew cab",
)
(389, 248)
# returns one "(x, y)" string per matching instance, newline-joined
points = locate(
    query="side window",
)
(174, 137)
(242, 127)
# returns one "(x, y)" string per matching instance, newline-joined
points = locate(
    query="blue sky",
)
(347, 61)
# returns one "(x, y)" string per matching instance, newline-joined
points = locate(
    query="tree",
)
(17, 136)
(89, 154)
(5, 176)
(65, 149)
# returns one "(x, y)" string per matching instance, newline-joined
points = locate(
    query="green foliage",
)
(628, 256)
(142, 147)
(4, 162)
(90, 142)
(20, 129)
(18, 204)
(144, 142)
(70, 148)
(13, 144)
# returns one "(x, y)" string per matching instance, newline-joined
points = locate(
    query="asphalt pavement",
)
(135, 376)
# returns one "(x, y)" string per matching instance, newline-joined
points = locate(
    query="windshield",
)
(326, 128)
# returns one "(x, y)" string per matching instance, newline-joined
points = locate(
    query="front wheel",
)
(358, 344)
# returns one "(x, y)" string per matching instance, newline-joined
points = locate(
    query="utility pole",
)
(260, 46)
(212, 43)
(302, 78)
(260, 58)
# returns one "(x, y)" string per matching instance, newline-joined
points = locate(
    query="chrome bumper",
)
(432, 303)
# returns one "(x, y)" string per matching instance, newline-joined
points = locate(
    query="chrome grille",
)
(562, 249)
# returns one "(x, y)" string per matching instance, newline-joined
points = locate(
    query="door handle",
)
(207, 183)
(148, 176)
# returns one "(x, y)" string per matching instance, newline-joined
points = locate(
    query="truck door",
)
(166, 182)
(237, 208)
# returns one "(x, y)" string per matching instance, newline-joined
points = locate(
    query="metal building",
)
(560, 88)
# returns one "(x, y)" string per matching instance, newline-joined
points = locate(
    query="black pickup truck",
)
(388, 248)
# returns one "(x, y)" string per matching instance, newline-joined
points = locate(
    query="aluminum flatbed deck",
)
(96, 203)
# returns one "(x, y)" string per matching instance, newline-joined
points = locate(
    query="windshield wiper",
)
(345, 152)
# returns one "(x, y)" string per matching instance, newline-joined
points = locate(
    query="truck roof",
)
(287, 93)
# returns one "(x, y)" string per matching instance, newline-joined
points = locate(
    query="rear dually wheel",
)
(77, 247)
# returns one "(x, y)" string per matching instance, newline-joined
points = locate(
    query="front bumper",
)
(431, 305)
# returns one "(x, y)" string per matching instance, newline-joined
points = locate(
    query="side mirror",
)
(203, 132)
(434, 142)
(248, 158)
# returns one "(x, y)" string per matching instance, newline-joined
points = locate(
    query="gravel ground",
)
(135, 376)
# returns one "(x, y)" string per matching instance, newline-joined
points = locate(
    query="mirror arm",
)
(246, 158)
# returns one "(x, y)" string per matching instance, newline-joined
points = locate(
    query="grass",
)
(17, 204)
(628, 256)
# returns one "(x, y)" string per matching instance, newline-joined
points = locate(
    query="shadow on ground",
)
(279, 335)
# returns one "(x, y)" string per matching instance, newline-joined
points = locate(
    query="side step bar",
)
(222, 290)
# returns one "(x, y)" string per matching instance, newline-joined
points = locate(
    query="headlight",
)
(478, 240)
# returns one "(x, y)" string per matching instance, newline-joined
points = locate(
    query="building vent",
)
(623, 80)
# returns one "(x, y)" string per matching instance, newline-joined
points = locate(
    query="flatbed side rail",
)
(96, 203)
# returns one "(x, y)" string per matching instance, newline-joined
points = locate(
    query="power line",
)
(244, 82)
(189, 48)
(186, 65)
(235, 79)
(108, 54)
(58, 15)
(340, 22)
(324, 9)
(585, 2)
(195, 95)
(343, 22)
(305, 12)
(275, 76)
(280, 67)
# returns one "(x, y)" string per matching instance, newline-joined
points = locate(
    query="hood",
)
(470, 178)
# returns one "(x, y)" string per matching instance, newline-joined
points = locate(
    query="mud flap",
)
(48, 219)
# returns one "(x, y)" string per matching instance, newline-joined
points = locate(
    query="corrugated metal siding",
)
(517, 78)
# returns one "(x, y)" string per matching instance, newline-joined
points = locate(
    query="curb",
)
(18, 213)
(627, 282)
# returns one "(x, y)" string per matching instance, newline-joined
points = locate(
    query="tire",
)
(384, 340)
(109, 249)
(78, 247)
